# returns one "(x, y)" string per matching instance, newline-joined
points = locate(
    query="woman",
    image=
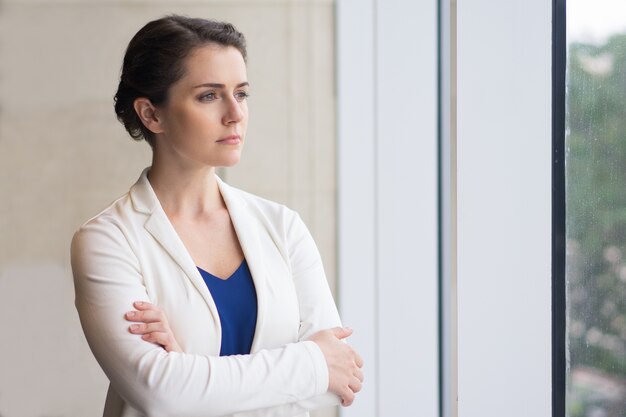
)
(264, 340)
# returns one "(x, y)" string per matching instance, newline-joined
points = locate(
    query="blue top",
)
(236, 303)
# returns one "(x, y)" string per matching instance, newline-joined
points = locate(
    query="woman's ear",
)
(147, 113)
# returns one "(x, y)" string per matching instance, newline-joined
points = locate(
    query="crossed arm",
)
(344, 364)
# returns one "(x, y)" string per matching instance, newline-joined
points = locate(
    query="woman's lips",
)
(230, 140)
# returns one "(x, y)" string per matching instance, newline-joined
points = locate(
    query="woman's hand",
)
(152, 325)
(344, 363)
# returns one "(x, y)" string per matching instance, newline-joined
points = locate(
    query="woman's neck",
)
(185, 191)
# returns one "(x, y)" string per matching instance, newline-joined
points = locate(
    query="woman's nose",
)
(234, 113)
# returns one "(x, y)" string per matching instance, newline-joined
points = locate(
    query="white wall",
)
(387, 91)
(504, 208)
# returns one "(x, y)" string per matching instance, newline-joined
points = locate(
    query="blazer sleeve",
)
(108, 279)
(317, 308)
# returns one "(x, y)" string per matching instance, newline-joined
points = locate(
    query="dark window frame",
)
(559, 335)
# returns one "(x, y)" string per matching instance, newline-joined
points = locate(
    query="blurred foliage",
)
(596, 208)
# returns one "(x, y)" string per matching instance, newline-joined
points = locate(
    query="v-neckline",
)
(224, 279)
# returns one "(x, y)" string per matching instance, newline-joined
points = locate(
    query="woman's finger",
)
(347, 398)
(147, 316)
(359, 375)
(355, 385)
(163, 339)
(358, 360)
(144, 305)
(144, 328)
(160, 338)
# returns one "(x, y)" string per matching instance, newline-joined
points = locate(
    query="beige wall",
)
(63, 157)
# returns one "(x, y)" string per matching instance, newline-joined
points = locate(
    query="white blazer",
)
(130, 252)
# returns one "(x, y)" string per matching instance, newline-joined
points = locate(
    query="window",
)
(595, 197)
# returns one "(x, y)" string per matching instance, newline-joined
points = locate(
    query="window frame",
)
(559, 315)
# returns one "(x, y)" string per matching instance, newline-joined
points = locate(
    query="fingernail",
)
(130, 314)
(139, 303)
(348, 328)
(134, 327)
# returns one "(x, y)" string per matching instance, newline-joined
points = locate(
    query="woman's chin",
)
(229, 162)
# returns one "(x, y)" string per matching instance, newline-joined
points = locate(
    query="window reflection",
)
(596, 221)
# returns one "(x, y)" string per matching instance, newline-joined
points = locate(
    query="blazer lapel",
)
(247, 230)
(159, 226)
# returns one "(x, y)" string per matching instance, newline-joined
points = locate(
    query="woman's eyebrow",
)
(217, 85)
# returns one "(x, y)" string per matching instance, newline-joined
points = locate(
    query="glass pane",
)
(596, 208)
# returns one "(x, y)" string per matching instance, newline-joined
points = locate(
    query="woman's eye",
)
(208, 97)
(241, 96)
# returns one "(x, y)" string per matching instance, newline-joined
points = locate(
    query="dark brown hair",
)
(154, 60)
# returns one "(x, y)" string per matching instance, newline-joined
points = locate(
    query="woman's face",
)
(205, 117)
